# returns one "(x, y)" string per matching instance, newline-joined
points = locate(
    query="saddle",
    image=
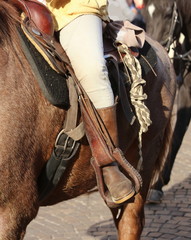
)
(38, 25)
(39, 17)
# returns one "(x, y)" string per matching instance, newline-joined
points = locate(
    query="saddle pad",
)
(52, 84)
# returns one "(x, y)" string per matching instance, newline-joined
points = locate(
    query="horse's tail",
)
(166, 142)
(9, 17)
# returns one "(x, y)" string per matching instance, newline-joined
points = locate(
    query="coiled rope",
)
(137, 96)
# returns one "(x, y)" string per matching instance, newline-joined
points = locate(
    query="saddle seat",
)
(40, 17)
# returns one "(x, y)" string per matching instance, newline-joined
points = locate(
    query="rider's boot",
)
(119, 186)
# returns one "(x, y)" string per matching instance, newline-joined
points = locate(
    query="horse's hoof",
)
(155, 196)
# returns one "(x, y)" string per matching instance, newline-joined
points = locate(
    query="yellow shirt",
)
(64, 11)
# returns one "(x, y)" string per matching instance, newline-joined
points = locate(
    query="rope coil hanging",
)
(137, 95)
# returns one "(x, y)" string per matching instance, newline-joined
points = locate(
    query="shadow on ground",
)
(169, 220)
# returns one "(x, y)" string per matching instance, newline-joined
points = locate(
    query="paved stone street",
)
(87, 217)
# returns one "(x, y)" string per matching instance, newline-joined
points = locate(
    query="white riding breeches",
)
(83, 42)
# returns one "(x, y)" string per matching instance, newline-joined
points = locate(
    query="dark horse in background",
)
(30, 124)
(166, 21)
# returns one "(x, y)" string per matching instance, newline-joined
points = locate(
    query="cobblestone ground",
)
(87, 217)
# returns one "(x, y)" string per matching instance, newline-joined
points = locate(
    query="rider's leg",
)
(83, 43)
(120, 188)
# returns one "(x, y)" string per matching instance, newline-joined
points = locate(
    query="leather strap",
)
(71, 129)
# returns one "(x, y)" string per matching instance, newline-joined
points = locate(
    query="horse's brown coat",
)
(29, 125)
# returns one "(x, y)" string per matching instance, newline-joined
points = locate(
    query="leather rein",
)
(176, 21)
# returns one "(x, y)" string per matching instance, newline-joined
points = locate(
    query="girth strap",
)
(66, 145)
(70, 128)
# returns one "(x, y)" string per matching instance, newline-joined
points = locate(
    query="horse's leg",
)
(183, 119)
(8, 229)
(15, 216)
(18, 196)
(182, 122)
(129, 219)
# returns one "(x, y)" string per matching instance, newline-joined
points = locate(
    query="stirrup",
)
(133, 173)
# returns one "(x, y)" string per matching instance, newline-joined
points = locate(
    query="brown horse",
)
(30, 124)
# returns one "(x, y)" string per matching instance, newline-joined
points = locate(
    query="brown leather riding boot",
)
(120, 187)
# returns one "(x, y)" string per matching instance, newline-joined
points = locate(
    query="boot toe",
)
(122, 192)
